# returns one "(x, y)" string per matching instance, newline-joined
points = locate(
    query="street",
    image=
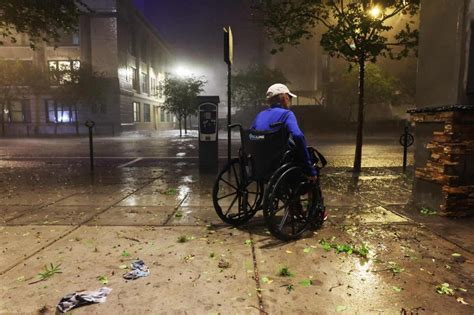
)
(147, 200)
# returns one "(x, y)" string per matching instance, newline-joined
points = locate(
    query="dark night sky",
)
(193, 30)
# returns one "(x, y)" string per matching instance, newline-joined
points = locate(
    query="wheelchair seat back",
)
(264, 151)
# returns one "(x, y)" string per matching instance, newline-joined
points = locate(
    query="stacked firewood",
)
(451, 159)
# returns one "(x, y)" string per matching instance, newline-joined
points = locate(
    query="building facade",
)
(444, 117)
(117, 42)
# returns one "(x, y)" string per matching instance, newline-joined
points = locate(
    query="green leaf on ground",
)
(341, 308)
(444, 288)
(103, 279)
(394, 268)
(285, 272)
(184, 238)
(212, 255)
(307, 250)
(289, 288)
(248, 242)
(123, 267)
(306, 282)
(125, 254)
(456, 255)
(397, 289)
(50, 271)
(427, 211)
(325, 244)
(21, 278)
(266, 280)
(178, 214)
(171, 191)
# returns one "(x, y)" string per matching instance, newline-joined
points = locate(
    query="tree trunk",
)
(185, 125)
(180, 132)
(360, 118)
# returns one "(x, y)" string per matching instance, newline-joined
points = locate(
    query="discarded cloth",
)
(139, 270)
(81, 298)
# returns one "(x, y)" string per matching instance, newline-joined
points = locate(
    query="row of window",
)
(165, 116)
(146, 86)
(57, 112)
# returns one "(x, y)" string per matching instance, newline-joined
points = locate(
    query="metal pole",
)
(91, 149)
(229, 103)
(405, 148)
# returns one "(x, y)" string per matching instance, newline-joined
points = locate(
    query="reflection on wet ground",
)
(54, 211)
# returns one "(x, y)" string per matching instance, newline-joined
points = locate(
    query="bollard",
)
(90, 124)
(406, 140)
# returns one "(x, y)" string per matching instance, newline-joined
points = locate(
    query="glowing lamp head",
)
(375, 12)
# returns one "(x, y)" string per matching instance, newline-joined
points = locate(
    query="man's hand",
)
(312, 179)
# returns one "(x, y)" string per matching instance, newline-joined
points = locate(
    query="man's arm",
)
(300, 141)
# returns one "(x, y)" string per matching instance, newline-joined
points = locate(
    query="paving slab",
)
(26, 198)
(152, 200)
(17, 242)
(92, 199)
(194, 215)
(58, 215)
(185, 277)
(140, 216)
(363, 215)
(324, 282)
(389, 197)
(10, 212)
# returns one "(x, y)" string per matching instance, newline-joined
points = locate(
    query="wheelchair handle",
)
(234, 125)
(276, 124)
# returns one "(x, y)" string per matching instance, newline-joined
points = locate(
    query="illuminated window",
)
(146, 113)
(136, 112)
(60, 113)
(61, 70)
(134, 78)
(144, 82)
(14, 111)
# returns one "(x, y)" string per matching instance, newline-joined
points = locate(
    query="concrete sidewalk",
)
(162, 212)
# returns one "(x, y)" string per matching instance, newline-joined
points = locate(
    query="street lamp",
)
(375, 12)
(182, 71)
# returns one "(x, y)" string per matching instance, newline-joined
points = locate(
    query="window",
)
(168, 116)
(146, 113)
(60, 70)
(99, 109)
(14, 111)
(136, 112)
(162, 115)
(153, 86)
(134, 77)
(144, 82)
(132, 45)
(60, 113)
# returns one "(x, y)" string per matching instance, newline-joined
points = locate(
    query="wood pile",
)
(451, 156)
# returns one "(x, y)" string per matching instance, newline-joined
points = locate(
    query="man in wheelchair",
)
(279, 99)
(274, 172)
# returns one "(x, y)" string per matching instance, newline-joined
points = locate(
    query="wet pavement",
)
(160, 210)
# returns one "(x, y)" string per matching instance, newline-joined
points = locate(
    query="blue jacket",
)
(275, 114)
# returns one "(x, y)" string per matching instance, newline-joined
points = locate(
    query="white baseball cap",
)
(277, 89)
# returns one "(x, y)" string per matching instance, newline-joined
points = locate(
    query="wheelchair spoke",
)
(229, 183)
(235, 175)
(231, 194)
(285, 216)
(231, 205)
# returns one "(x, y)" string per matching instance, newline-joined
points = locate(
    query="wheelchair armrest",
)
(319, 157)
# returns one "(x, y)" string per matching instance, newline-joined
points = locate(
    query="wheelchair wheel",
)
(288, 209)
(236, 199)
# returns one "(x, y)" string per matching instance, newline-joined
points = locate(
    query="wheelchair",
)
(269, 175)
